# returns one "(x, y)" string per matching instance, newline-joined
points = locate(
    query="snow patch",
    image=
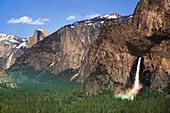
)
(13, 41)
(109, 16)
(88, 39)
(98, 24)
(9, 38)
(101, 22)
(5, 37)
(72, 26)
(2, 35)
(55, 54)
(24, 40)
(51, 64)
(7, 43)
(82, 41)
(130, 17)
(14, 46)
(23, 44)
(88, 23)
(39, 29)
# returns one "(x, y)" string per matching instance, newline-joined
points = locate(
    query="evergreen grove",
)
(68, 98)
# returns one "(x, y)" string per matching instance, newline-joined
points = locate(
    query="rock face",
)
(65, 49)
(109, 61)
(5, 79)
(112, 58)
(157, 65)
(39, 35)
(151, 16)
(11, 47)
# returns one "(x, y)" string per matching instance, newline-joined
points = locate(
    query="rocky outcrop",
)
(112, 58)
(152, 16)
(39, 35)
(112, 55)
(65, 49)
(157, 66)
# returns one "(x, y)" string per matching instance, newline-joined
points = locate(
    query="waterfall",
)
(136, 87)
(137, 84)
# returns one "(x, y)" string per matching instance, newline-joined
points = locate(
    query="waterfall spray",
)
(136, 87)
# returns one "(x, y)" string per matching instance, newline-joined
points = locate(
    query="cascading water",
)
(136, 87)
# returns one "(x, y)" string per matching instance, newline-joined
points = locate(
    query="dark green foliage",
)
(66, 75)
(167, 89)
(27, 74)
(22, 72)
(3, 85)
(61, 98)
(101, 72)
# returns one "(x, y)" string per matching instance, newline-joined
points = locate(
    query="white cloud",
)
(27, 20)
(46, 19)
(71, 18)
(93, 15)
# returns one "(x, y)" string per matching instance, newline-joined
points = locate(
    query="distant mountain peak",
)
(6, 37)
(112, 16)
(39, 29)
(45, 32)
(11, 46)
(39, 35)
(11, 39)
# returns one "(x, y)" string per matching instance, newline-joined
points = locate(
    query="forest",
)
(69, 98)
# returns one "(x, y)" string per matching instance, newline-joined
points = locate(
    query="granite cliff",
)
(112, 58)
(63, 50)
(39, 35)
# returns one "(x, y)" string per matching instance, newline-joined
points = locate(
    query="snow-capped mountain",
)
(67, 48)
(98, 21)
(111, 16)
(11, 46)
(13, 40)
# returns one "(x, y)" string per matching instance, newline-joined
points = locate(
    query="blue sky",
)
(22, 17)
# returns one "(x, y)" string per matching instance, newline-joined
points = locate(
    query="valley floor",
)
(70, 99)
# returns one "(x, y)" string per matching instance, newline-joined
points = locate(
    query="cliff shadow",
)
(144, 44)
